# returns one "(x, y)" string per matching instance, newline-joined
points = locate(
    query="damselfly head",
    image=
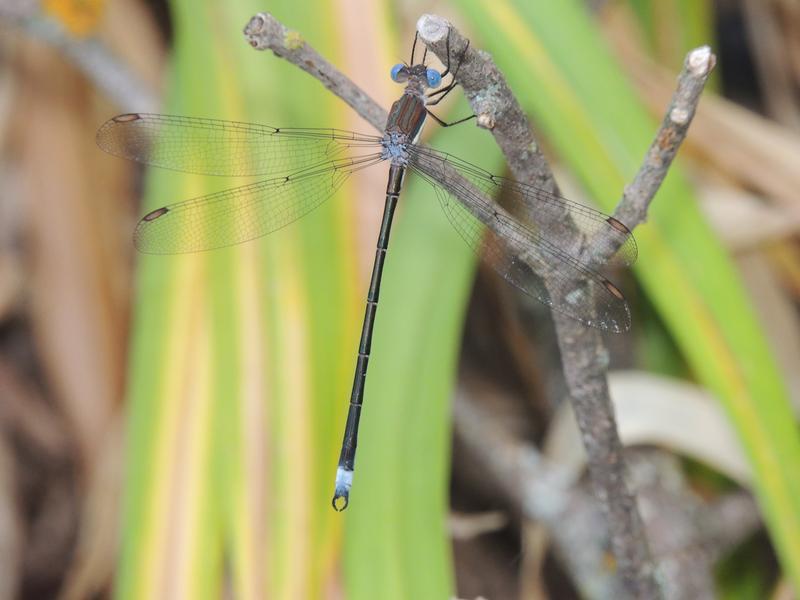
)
(429, 78)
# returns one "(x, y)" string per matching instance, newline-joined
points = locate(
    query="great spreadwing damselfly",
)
(304, 167)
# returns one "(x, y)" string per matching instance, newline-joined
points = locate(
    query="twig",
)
(583, 353)
(491, 100)
(585, 357)
(632, 209)
(498, 111)
(265, 32)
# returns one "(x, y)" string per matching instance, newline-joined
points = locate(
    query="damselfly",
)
(304, 167)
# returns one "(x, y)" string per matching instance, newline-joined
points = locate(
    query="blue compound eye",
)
(399, 73)
(434, 78)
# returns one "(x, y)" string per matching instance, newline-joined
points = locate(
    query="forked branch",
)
(583, 352)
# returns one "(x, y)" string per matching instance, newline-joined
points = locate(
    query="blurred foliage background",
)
(169, 426)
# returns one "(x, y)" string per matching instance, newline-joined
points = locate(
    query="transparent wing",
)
(607, 235)
(522, 252)
(243, 213)
(214, 147)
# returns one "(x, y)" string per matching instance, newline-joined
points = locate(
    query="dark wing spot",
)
(126, 118)
(153, 215)
(613, 289)
(618, 225)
